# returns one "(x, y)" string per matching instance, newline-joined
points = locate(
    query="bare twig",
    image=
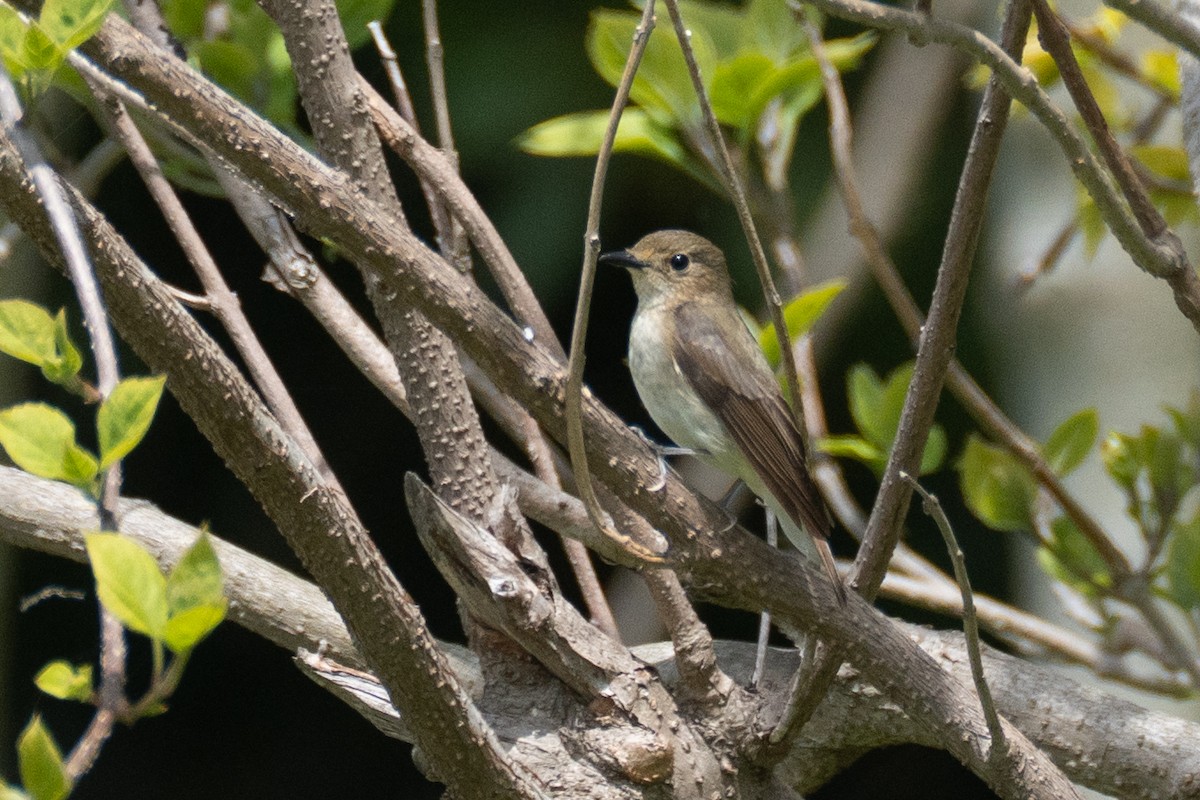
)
(1160, 257)
(933, 355)
(111, 696)
(978, 404)
(221, 299)
(437, 207)
(1164, 21)
(574, 387)
(737, 194)
(970, 625)
(455, 247)
(1056, 39)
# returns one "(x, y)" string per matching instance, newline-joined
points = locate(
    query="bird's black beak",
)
(622, 258)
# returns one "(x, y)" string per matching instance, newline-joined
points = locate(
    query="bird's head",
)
(672, 265)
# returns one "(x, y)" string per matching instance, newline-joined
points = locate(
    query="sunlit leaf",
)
(26, 329)
(70, 23)
(800, 315)
(40, 439)
(41, 763)
(854, 447)
(125, 416)
(65, 680)
(195, 596)
(129, 582)
(1161, 68)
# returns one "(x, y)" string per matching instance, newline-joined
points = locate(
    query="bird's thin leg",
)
(764, 619)
(663, 451)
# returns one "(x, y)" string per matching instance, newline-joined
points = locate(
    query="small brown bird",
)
(706, 383)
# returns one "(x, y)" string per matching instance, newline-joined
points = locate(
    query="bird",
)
(705, 382)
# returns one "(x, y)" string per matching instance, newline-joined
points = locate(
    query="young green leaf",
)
(186, 629)
(1183, 564)
(195, 596)
(864, 390)
(1072, 441)
(662, 85)
(129, 582)
(854, 447)
(26, 329)
(41, 439)
(9, 793)
(800, 315)
(1075, 555)
(66, 681)
(12, 34)
(125, 416)
(41, 764)
(70, 23)
(997, 489)
(67, 358)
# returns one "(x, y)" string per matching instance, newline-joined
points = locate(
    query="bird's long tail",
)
(830, 568)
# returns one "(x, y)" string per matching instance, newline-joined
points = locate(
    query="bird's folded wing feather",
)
(741, 391)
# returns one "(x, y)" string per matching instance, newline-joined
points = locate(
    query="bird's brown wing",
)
(735, 382)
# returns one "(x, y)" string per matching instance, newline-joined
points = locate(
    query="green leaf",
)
(1169, 161)
(662, 85)
(997, 489)
(66, 681)
(125, 416)
(800, 315)
(1187, 420)
(1183, 564)
(865, 393)
(734, 88)
(10, 793)
(771, 28)
(1076, 557)
(856, 448)
(70, 23)
(1072, 441)
(12, 34)
(1120, 455)
(129, 582)
(195, 596)
(39, 51)
(934, 454)
(186, 629)
(1091, 222)
(26, 329)
(41, 439)
(582, 134)
(41, 763)
(68, 360)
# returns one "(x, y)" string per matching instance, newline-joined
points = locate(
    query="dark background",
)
(245, 722)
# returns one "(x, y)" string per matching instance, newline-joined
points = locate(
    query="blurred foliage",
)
(758, 71)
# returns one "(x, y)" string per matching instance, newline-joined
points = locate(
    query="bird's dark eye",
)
(679, 262)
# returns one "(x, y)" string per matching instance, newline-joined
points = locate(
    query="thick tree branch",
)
(315, 519)
(1107, 744)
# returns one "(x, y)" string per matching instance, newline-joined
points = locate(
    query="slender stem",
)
(437, 206)
(222, 301)
(1056, 39)
(455, 246)
(978, 404)
(574, 386)
(737, 193)
(933, 507)
(1162, 257)
(1164, 21)
(111, 695)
